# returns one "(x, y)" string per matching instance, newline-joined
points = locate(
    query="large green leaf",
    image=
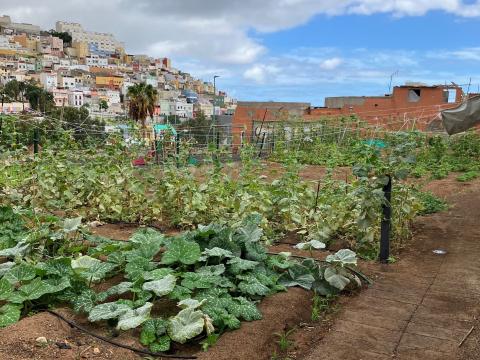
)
(33, 290)
(19, 249)
(237, 265)
(250, 231)
(58, 284)
(336, 278)
(6, 289)
(60, 266)
(118, 289)
(71, 225)
(212, 270)
(153, 328)
(297, 275)
(187, 324)
(343, 257)
(91, 269)
(4, 267)
(147, 243)
(136, 268)
(19, 273)
(252, 286)
(157, 274)
(161, 345)
(182, 251)
(240, 307)
(85, 301)
(111, 310)
(9, 314)
(134, 318)
(217, 252)
(311, 245)
(161, 287)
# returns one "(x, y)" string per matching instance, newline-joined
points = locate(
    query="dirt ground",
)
(313, 340)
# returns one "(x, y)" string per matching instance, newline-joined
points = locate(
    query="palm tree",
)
(142, 99)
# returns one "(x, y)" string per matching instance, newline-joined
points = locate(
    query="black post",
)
(218, 138)
(316, 197)
(262, 144)
(36, 140)
(386, 222)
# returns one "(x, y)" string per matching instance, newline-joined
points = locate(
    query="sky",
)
(288, 50)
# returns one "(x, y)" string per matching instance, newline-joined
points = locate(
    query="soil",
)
(442, 297)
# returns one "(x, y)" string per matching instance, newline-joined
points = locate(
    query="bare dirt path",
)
(423, 306)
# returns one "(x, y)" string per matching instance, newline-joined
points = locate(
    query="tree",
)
(79, 120)
(12, 89)
(103, 105)
(65, 36)
(142, 100)
(39, 98)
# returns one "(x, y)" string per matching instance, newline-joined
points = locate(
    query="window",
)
(414, 95)
(449, 95)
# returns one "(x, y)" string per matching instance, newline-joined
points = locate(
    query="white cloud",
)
(260, 73)
(331, 64)
(468, 54)
(215, 30)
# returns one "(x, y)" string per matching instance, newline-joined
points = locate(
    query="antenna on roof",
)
(395, 73)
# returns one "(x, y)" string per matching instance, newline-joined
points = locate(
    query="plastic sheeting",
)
(463, 117)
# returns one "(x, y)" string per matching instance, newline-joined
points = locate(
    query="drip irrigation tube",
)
(140, 351)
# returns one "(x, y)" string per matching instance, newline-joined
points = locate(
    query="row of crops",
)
(196, 285)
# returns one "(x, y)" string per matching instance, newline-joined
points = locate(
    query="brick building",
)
(411, 105)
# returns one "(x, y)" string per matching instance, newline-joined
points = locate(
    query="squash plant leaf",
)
(336, 278)
(91, 269)
(161, 287)
(6, 289)
(343, 257)
(71, 225)
(181, 251)
(9, 314)
(19, 273)
(187, 324)
(161, 345)
(85, 301)
(134, 318)
(107, 311)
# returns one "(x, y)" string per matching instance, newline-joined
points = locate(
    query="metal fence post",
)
(386, 222)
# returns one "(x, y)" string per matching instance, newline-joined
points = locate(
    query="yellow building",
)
(26, 42)
(81, 48)
(114, 82)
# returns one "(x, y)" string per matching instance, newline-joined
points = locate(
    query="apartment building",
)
(103, 41)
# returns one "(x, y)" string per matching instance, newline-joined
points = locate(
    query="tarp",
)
(463, 117)
(164, 127)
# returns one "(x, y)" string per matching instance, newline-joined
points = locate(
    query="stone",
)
(41, 341)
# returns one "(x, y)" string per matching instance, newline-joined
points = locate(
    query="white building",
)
(48, 80)
(103, 41)
(113, 96)
(183, 109)
(95, 60)
(66, 82)
(75, 98)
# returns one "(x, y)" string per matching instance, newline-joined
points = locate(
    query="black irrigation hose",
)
(140, 351)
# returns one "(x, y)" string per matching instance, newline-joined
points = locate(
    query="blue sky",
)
(288, 50)
(433, 48)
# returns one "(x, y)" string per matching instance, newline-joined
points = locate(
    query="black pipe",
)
(386, 222)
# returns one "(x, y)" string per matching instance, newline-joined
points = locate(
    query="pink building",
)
(60, 96)
(56, 46)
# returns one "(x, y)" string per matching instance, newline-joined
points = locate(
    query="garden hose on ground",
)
(140, 351)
